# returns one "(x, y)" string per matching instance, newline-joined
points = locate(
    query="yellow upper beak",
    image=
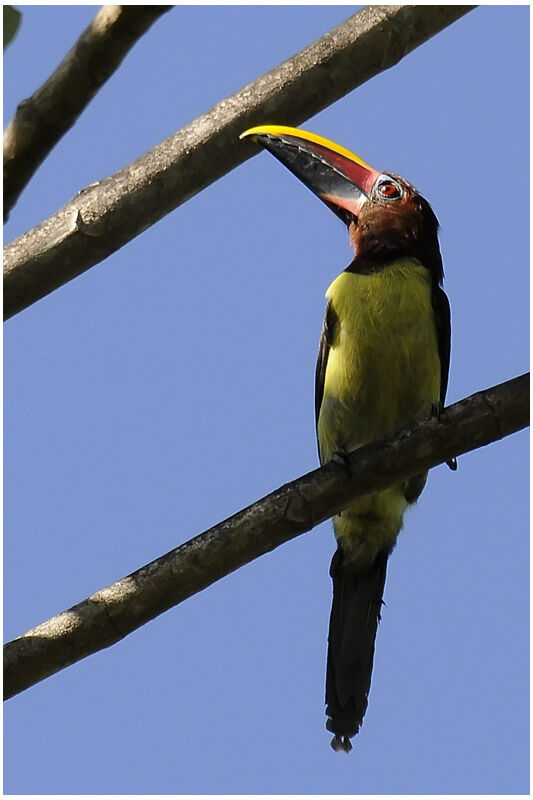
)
(280, 131)
(336, 175)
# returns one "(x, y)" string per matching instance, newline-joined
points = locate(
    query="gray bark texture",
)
(110, 614)
(42, 119)
(106, 215)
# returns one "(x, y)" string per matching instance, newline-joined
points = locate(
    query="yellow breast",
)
(383, 368)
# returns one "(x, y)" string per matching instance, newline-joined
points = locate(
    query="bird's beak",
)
(338, 177)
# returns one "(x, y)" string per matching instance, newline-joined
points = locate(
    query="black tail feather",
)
(357, 599)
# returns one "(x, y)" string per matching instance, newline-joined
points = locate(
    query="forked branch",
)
(42, 119)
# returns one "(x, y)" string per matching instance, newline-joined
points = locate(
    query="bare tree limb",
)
(106, 215)
(42, 119)
(110, 614)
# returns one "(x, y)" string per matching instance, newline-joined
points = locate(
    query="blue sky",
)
(172, 385)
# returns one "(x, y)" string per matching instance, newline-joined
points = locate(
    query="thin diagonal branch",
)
(106, 215)
(110, 614)
(42, 119)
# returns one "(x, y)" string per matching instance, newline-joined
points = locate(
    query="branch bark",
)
(105, 216)
(42, 119)
(110, 614)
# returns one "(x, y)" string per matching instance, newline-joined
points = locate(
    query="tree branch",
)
(106, 215)
(110, 614)
(42, 119)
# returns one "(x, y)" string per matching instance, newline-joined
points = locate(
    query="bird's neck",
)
(378, 243)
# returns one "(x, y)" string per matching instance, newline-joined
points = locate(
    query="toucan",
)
(383, 362)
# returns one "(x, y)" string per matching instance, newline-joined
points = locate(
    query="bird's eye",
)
(389, 190)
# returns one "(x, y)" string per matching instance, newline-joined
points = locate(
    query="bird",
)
(383, 362)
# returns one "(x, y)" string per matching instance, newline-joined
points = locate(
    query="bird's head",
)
(386, 217)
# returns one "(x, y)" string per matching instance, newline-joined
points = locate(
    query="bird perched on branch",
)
(383, 362)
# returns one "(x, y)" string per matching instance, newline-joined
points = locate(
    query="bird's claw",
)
(435, 413)
(436, 410)
(340, 457)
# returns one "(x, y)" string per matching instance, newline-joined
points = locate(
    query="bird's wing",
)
(441, 307)
(323, 353)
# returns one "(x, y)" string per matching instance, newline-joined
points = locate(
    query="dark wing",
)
(323, 353)
(441, 307)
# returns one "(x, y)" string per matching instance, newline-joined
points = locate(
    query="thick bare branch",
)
(42, 119)
(105, 216)
(110, 614)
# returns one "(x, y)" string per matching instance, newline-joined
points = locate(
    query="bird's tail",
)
(357, 599)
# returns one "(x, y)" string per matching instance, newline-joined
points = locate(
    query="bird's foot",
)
(435, 412)
(340, 457)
